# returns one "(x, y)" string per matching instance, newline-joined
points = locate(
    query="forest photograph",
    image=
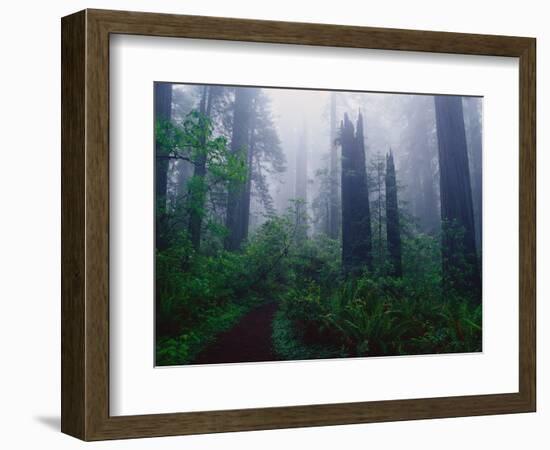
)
(302, 224)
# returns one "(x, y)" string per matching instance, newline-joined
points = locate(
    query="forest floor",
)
(248, 341)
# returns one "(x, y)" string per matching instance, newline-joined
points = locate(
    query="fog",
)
(301, 120)
(404, 123)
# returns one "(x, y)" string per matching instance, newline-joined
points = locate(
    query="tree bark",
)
(356, 224)
(460, 264)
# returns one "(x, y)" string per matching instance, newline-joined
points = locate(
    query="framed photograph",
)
(272, 225)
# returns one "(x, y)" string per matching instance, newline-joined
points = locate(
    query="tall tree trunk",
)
(472, 109)
(197, 193)
(334, 216)
(392, 218)
(356, 224)
(239, 145)
(460, 264)
(300, 193)
(163, 113)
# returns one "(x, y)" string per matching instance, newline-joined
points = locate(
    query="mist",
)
(402, 123)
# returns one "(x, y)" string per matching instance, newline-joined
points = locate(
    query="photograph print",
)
(301, 224)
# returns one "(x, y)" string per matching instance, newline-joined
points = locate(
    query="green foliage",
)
(201, 295)
(376, 315)
(459, 262)
(381, 317)
(288, 342)
(422, 263)
(189, 284)
(321, 314)
(182, 349)
(193, 141)
(316, 260)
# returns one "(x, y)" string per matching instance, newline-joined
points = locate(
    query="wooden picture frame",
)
(85, 224)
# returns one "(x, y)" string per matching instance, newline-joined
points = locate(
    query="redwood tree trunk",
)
(356, 225)
(460, 265)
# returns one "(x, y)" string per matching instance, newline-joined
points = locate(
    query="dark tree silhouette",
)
(392, 218)
(237, 193)
(356, 226)
(163, 112)
(460, 265)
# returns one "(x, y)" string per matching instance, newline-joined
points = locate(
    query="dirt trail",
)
(248, 341)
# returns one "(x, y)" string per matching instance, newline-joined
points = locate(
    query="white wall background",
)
(30, 222)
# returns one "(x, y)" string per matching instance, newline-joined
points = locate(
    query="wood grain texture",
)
(73, 225)
(527, 224)
(85, 224)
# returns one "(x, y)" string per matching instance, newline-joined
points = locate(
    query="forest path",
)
(248, 341)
